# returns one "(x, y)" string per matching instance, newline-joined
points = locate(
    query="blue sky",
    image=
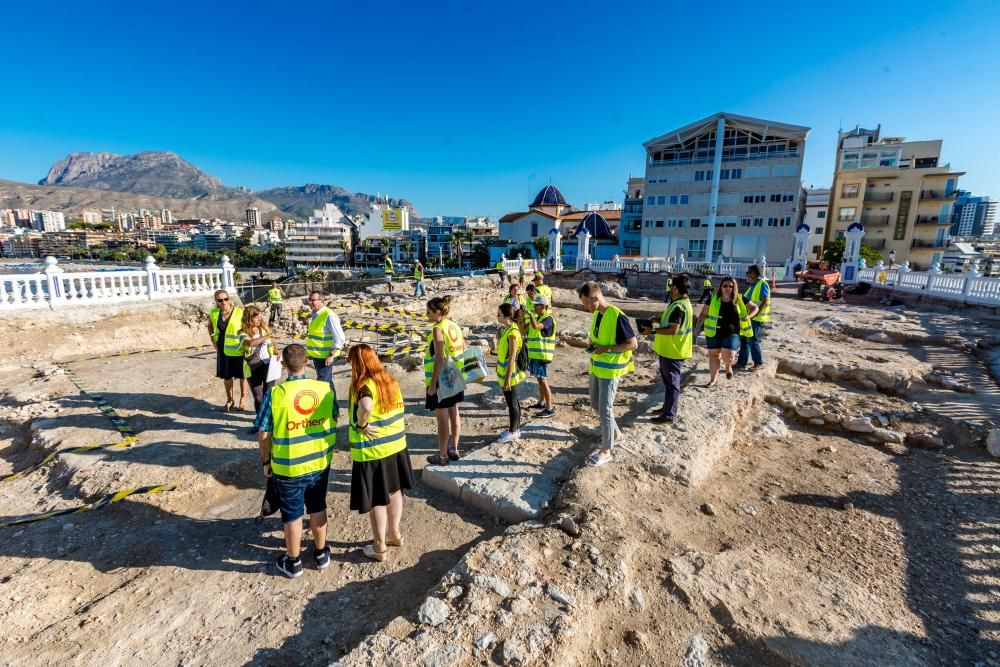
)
(469, 108)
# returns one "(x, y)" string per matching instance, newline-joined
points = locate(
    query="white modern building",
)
(322, 243)
(48, 221)
(724, 185)
(972, 216)
(817, 205)
(253, 217)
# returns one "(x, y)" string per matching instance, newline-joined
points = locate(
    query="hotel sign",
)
(392, 219)
(905, 197)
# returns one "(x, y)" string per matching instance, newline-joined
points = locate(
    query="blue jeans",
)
(670, 371)
(750, 347)
(324, 373)
(419, 286)
(305, 492)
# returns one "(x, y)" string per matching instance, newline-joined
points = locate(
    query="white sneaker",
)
(508, 436)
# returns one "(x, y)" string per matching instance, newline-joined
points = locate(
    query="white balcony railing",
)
(968, 287)
(56, 288)
(679, 265)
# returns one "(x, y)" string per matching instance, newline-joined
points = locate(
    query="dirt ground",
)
(901, 537)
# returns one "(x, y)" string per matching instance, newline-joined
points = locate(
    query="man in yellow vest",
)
(673, 341)
(297, 431)
(541, 342)
(324, 340)
(612, 340)
(706, 290)
(418, 278)
(669, 281)
(274, 297)
(387, 268)
(501, 272)
(759, 293)
(540, 288)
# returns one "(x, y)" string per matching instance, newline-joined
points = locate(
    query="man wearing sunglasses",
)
(759, 293)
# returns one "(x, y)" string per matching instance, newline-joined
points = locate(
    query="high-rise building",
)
(7, 218)
(630, 230)
(253, 217)
(972, 216)
(322, 243)
(817, 208)
(897, 190)
(724, 185)
(91, 217)
(48, 221)
(167, 217)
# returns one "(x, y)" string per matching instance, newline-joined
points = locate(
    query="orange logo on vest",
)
(306, 402)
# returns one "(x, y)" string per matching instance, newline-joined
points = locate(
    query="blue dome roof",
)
(595, 223)
(802, 228)
(549, 196)
(855, 227)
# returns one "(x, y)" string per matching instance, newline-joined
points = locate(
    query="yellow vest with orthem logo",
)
(305, 427)
(391, 436)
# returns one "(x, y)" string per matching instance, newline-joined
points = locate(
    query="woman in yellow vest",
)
(377, 433)
(725, 318)
(509, 374)
(444, 342)
(224, 322)
(253, 337)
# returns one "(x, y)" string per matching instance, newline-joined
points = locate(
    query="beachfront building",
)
(817, 208)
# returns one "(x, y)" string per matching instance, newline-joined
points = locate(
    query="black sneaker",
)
(662, 419)
(322, 558)
(437, 460)
(288, 567)
(546, 413)
(453, 455)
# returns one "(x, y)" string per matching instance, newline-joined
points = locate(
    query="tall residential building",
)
(167, 217)
(897, 190)
(48, 221)
(740, 197)
(321, 243)
(972, 216)
(817, 208)
(7, 218)
(91, 217)
(630, 230)
(253, 217)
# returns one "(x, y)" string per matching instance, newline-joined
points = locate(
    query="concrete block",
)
(514, 481)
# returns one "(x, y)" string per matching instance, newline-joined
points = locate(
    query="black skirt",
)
(372, 482)
(227, 367)
(433, 403)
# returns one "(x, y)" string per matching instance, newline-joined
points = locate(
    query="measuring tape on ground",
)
(393, 351)
(89, 507)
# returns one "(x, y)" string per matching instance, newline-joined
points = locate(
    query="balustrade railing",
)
(968, 287)
(680, 265)
(55, 288)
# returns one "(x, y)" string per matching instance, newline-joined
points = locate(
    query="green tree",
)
(833, 252)
(541, 244)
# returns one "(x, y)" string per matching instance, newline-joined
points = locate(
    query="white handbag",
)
(475, 368)
(450, 382)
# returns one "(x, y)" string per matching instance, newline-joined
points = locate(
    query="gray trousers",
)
(602, 400)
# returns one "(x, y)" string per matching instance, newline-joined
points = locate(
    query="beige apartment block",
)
(740, 197)
(898, 191)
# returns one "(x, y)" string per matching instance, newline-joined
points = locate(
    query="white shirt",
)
(332, 328)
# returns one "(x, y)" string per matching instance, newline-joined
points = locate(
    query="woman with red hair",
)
(378, 448)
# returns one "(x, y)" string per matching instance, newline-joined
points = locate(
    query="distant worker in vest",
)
(725, 320)
(274, 298)
(381, 464)
(418, 279)
(670, 281)
(541, 340)
(387, 267)
(757, 292)
(612, 340)
(706, 290)
(501, 273)
(514, 297)
(324, 339)
(444, 343)
(673, 342)
(520, 272)
(540, 287)
(255, 338)
(509, 372)
(224, 323)
(297, 431)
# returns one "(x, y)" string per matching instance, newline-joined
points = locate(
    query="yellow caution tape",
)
(102, 404)
(391, 326)
(128, 354)
(394, 311)
(127, 442)
(96, 505)
(392, 351)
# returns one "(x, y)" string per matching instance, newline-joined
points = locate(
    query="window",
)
(661, 200)
(818, 230)
(787, 196)
(671, 223)
(776, 198)
(699, 175)
(708, 175)
(772, 222)
(650, 200)
(847, 213)
(816, 250)
(758, 222)
(748, 198)
(820, 215)
(534, 229)
(696, 222)
(736, 173)
(759, 198)
(888, 158)
(744, 222)
(723, 174)
(786, 221)
(684, 200)
(673, 200)
(649, 223)
(849, 190)
(659, 223)
(681, 223)
(850, 161)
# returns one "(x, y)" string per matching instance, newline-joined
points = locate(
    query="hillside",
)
(300, 201)
(73, 200)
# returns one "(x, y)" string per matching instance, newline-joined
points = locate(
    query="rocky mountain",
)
(148, 173)
(72, 201)
(300, 201)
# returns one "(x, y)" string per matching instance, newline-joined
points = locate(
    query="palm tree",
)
(344, 247)
(408, 247)
(457, 238)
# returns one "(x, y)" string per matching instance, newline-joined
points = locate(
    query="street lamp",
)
(892, 256)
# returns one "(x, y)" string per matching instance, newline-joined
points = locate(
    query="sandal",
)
(436, 460)
(596, 460)
(711, 384)
(729, 375)
(228, 406)
(369, 552)
(453, 455)
(395, 543)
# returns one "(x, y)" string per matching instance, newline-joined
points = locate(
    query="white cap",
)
(541, 301)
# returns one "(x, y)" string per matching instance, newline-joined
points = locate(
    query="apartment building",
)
(972, 217)
(322, 243)
(630, 230)
(740, 197)
(253, 217)
(48, 221)
(817, 208)
(897, 190)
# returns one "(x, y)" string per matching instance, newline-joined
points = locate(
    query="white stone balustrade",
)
(56, 288)
(655, 265)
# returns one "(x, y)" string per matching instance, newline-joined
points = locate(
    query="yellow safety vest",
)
(712, 319)
(504, 358)
(274, 295)
(319, 344)
(753, 294)
(418, 274)
(387, 266)
(707, 283)
(521, 302)
(247, 350)
(680, 344)
(232, 346)
(540, 346)
(391, 437)
(454, 348)
(499, 266)
(609, 364)
(305, 427)
(544, 290)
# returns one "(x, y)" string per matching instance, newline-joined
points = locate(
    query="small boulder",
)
(924, 440)
(993, 443)
(433, 612)
(858, 425)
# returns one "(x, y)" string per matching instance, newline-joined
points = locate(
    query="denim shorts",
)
(731, 342)
(538, 368)
(308, 491)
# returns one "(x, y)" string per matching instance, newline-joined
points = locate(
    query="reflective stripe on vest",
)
(387, 266)
(707, 284)
(248, 351)
(544, 290)
(274, 295)
(608, 365)
(454, 347)
(520, 303)
(753, 294)
(712, 319)
(391, 437)
(678, 345)
(319, 344)
(503, 356)
(416, 273)
(540, 346)
(232, 345)
(305, 427)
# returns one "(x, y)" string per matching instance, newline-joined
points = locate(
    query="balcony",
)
(871, 195)
(938, 194)
(725, 158)
(874, 220)
(931, 220)
(928, 243)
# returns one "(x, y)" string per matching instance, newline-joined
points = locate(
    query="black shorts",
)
(432, 402)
